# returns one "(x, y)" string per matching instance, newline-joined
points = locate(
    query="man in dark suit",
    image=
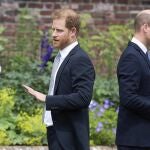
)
(71, 86)
(133, 129)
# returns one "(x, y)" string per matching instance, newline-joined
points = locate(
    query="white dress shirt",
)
(64, 52)
(140, 44)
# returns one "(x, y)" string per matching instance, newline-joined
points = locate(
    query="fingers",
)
(30, 90)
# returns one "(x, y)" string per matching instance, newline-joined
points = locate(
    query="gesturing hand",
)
(36, 94)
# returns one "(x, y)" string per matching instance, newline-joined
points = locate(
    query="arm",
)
(82, 75)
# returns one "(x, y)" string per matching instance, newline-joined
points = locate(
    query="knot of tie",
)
(58, 56)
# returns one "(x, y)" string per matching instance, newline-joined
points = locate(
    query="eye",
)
(59, 30)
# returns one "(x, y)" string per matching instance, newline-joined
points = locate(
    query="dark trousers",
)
(53, 143)
(132, 148)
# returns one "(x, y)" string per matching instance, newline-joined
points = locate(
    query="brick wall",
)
(104, 12)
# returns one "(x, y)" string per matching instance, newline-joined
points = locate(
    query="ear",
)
(73, 31)
(146, 27)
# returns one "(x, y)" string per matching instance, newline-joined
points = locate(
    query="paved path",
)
(45, 148)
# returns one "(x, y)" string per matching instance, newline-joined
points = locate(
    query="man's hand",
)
(36, 94)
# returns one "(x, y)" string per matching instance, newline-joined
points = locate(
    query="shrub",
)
(4, 138)
(106, 88)
(103, 111)
(105, 46)
(103, 119)
(3, 42)
(31, 128)
(23, 68)
(7, 117)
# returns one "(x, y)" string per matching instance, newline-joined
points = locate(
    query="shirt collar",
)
(64, 52)
(140, 44)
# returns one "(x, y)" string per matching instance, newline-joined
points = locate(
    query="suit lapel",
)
(64, 63)
(141, 52)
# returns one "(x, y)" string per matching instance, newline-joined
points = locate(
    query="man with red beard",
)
(71, 85)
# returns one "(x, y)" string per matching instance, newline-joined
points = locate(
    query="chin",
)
(55, 46)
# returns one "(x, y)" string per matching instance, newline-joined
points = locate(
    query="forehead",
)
(58, 23)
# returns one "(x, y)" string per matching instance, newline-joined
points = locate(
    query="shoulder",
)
(132, 52)
(80, 59)
(79, 54)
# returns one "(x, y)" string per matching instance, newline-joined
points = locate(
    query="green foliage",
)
(106, 89)
(103, 111)
(4, 138)
(25, 71)
(7, 118)
(3, 40)
(19, 129)
(6, 97)
(22, 67)
(104, 47)
(31, 128)
(102, 125)
(27, 35)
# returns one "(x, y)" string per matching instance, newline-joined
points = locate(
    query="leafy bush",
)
(103, 119)
(19, 129)
(25, 71)
(4, 138)
(3, 42)
(22, 67)
(104, 47)
(31, 128)
(106, 88)
(7, 118)
(103, 111)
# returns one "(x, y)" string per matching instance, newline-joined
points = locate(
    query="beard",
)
(61, 44)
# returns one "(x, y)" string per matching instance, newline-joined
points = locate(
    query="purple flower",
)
(107, 103)
(93, 105)
(106, 106)
(45, 51)
(99, 127)
(101, 111)
(99, 114)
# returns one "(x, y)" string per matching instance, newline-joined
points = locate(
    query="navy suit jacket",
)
(72, 96)
(133, 73)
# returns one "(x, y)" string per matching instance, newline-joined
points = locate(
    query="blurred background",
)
(26, 57)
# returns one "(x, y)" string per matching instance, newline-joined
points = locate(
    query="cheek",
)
(65, 37)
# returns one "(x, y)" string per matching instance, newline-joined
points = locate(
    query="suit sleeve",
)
(82, 76)
(129, 77)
